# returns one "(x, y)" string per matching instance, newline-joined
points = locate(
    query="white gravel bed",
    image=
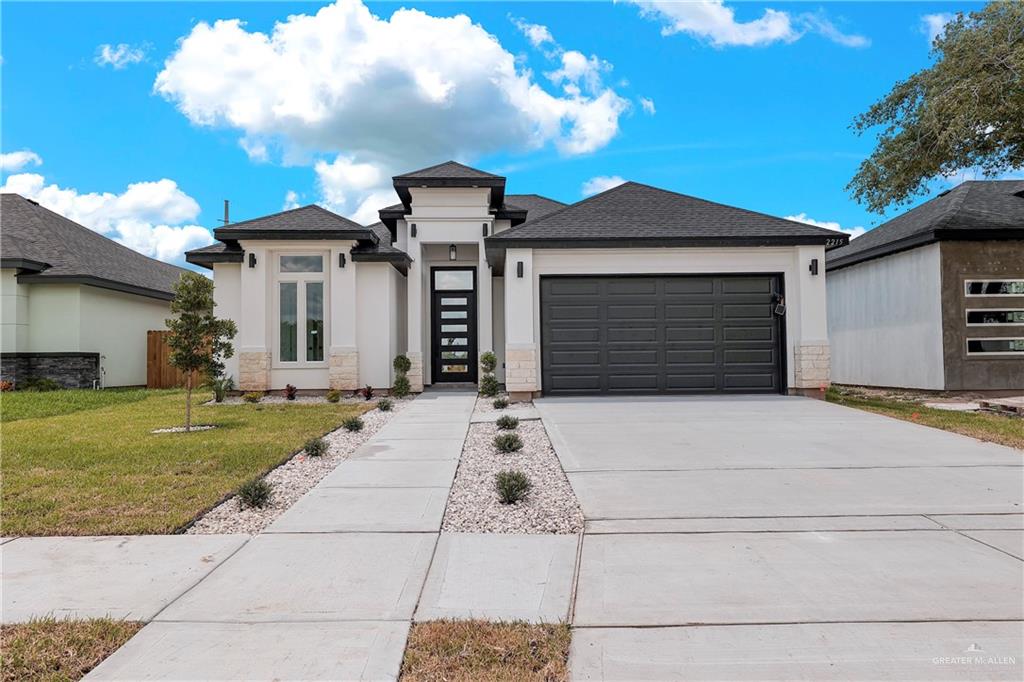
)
(485, 412)
(292, 480)
(473, 505)
(307, 399)
(487, 404)
(181, 429)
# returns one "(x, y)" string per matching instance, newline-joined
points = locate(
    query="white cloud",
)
(933, 25)
(291, 200)
(828, 225)
(647, 104)
(119, 56)
(600, 183)
(577, 69)
(12, 162)
(713, 21)
(147, 216)
(537, 34)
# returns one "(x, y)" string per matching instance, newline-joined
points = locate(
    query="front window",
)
(1008, 346)
(992, 287)
(994, 316)
(300, 291)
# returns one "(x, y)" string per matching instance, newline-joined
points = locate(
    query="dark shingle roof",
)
(383, 251)
(448, 170)
(634, 214)
(306, 221)
(67, 251)
(977, 209)
(536, 206)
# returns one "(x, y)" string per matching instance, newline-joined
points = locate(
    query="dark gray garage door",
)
(663, 334)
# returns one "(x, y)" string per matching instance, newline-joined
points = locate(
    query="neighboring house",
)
(75, 306)
(934, 298)
(634, 290)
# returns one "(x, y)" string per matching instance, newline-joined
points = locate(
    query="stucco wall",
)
(884, 319)
(377, 328)
(13, 312)
(805, 293)
(979, 260)
(227, 298)
(114, 324)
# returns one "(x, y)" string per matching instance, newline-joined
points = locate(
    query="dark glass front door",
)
(453, 324)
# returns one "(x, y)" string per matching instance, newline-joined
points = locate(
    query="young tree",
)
(199, 342)
(965, 111)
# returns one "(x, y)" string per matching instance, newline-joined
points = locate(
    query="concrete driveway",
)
(774, 537)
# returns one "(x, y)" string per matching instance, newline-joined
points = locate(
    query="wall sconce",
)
(413, 230)
(814, 266)
(341, 260)
(519, 269)
(252, 260)
(485, 229)
(453, 254)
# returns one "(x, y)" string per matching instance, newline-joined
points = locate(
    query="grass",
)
(53, 650)
(472, 650)
(15, 405)
(981, 425)
(102, 472)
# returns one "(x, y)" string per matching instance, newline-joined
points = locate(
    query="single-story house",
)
(934, 298)
(634, 290)
(75, 306)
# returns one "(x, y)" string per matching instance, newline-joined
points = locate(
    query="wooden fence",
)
(159, 373)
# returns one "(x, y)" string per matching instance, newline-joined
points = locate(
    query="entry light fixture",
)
(485, 229)
(252, 260)
(341, 260)
(413, 230)
(814, 266)
(453, 253)
(519, 269)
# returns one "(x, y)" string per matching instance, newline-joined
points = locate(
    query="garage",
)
(661, 334)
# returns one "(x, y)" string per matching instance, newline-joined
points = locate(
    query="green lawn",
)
(59, 650)
(995, 428)
(15, 405)
(102, 472)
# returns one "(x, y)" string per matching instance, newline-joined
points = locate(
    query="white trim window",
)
(996, 346)
(300, 303)
(995, 317)
(993, 287)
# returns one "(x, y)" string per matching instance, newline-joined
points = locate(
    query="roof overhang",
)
(399, 259)
(226, 234)
(390, 217)
(24, 264)
(516, 215)
(923, 239)
(207, 259)
(97, 282)
(404, 184)
(495, 246)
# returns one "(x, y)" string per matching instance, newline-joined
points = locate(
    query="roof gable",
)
(305, 222)
(448, 169)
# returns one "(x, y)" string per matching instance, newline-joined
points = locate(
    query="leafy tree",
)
(966, 111)
(199, 342)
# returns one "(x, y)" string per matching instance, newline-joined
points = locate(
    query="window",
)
(994, 316)
(1007, 346)
(984, 287)
(300, 308)
(453, 280)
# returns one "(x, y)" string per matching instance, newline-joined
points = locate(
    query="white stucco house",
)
(634, 290)
(75, 306)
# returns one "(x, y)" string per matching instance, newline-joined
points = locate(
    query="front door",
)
(453, 324)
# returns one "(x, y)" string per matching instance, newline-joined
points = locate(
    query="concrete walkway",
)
(787, 538)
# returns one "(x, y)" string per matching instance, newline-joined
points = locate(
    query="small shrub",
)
(6, 386)
(508, 442)
(402, 364)
(333, 396)
(385, 405)
(255, 494)
(353, 424)
(512, 486)
(290, 392)
(40, 385)
(489, 386)
(221, 386)
(367, 392)
(500, 403)
(252, 397)
(315, 447)
(488, 361)
(402, 388)
(507, 422)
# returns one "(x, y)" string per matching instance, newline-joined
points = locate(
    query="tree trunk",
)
(188, 402)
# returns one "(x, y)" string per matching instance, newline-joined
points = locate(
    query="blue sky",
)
(143, 117)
